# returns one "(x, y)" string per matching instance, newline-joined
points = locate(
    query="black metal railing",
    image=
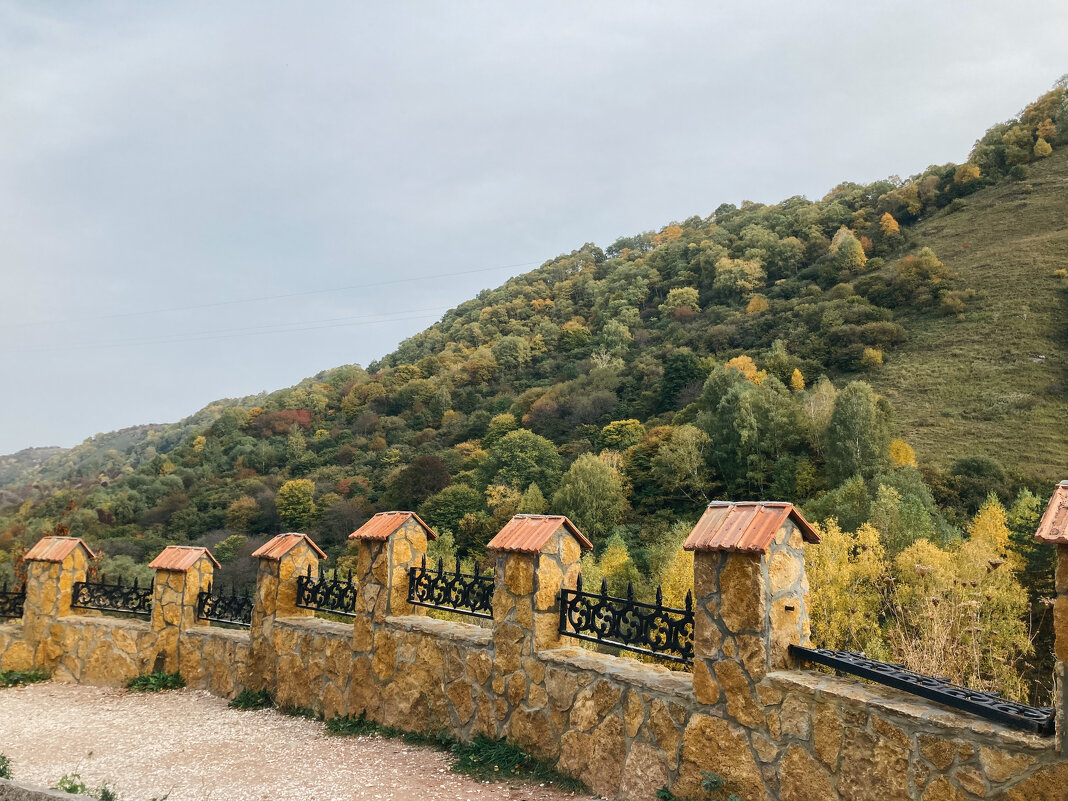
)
(653, 629)
(12, 601)
(325, 594)
(451, 590)
(131, 599)
(984, 704)
(233, 607)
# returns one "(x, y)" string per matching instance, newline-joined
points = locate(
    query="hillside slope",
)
(993, 382)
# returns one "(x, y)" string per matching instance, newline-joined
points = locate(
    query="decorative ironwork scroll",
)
(652, 629)
(453, 591)
(326, 594)
(131, 599)
(234, 608)
(12, 601)
(984, 704)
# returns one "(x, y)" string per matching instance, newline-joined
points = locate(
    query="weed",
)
(155, 682)
(14, 678)
(349, 726)
(105, 793)
(300, 712)
(489, 759)
(72, 783)
(5, 766)
(248, 699)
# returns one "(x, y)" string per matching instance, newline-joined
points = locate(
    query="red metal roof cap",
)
(383, 524)
(180, 558)
(56, 549)
(745, 526)
(1053, 527)
(528, 533)
(279, 546)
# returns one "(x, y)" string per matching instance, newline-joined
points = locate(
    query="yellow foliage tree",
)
(199, 443)
(1042, 148)
(990, 524)
(872, 357)
(747, 367)
(888, 225)
(902, 454)
(846, 573)
(757, 304)
(797, 380)
(1046, 129)
(966, 173)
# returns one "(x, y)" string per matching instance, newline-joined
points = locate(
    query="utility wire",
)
(262, 298)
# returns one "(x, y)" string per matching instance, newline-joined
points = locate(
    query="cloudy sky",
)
(205, 200)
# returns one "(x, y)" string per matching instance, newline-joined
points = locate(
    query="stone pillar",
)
(282, 559)
(182, 573)
(1060, 648)
(750, 600)
(53, 565)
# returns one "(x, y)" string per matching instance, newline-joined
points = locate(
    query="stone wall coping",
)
(315, 624)
(106, 622)
(446, 629)
(918, 712)
(17, 791)
(208, 632)
(641, 674)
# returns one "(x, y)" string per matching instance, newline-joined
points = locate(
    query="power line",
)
(282, 296)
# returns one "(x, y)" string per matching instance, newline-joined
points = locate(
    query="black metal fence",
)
(12, 602)
(131, 599)
(653, 629)
(992, 706)
(451, 590)
(233, 607)
(326, 594)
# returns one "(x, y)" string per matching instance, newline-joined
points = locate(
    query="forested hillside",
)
(739, 354)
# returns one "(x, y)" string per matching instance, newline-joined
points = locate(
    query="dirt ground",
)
(189, 746)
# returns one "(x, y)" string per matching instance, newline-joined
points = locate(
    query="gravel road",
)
(189, 745)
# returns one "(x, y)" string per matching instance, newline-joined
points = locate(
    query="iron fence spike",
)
(630, 590)
(578, 583)
(659, 596)
(604, 587)
(689, 601)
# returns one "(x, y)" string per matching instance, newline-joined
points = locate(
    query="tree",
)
(680, 298)
(747, 367)
(858, 437)
(991, 524)
(533, 502)
(591, 495)
(1042, 148)
(411, 485)
(521, 458)
(901, 454)
(621, 434)
(797, 380)
(226, 551)
(757, 305)
(295, 503)
(847, 251)
(500, 425)
(512, 353)
(888, 225)
(445, 509)
(239, 514)
(681, 463)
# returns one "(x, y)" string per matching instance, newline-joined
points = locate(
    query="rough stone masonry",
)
(627, 728)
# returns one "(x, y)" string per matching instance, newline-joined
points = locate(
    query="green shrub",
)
(72, 783)
(349, 726)
(155, 682)
(14, 678)
(300, 712)
(5, 766)
(248, 699)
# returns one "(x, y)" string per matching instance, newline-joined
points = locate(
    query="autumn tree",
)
(295, 503)
(621, 434)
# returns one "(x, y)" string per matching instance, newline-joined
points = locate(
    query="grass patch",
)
(492, 760)
(15, 678)
(300, 712)
(155, 682)
(248, 699)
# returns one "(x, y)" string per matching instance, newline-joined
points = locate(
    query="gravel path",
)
(189, 744)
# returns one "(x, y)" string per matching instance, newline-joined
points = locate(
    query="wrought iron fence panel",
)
(12, 601)
(232, 607)
(131, 599)
(992, 706)
(327, 594)
(652, 629)
(451, 590)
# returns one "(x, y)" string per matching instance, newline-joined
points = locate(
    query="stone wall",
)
(626, 727)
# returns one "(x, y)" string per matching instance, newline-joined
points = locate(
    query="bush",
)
(155, 682)
(15, 678)
(5, 766)
(247, 699)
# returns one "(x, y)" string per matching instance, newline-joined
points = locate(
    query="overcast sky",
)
(205, 200)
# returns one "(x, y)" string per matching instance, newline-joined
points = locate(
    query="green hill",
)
(993, 382)
(728, 355)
